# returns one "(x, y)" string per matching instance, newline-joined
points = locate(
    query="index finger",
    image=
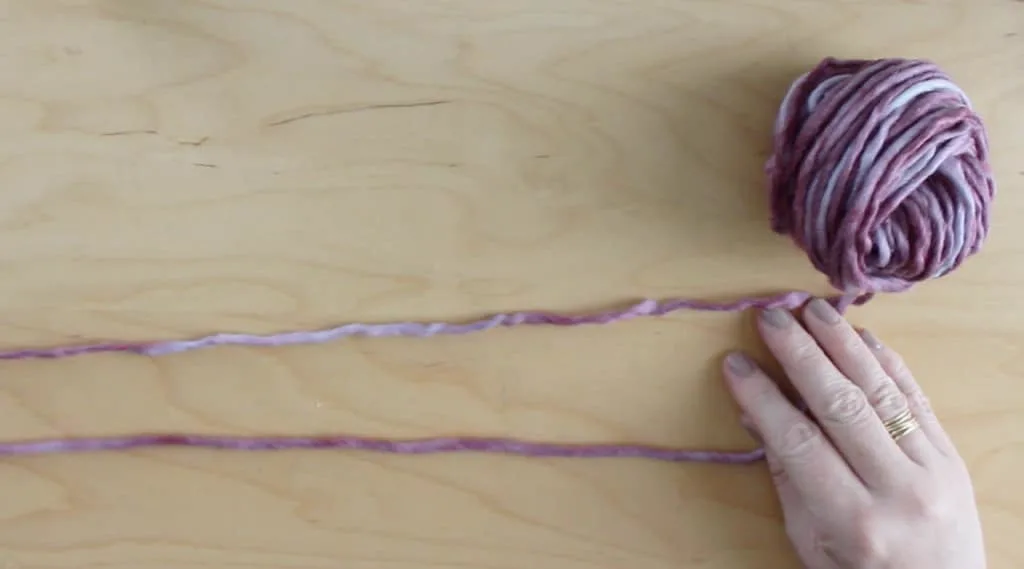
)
(814, 466)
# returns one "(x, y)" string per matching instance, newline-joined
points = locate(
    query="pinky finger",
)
(895, 367)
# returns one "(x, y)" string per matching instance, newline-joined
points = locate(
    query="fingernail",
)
(740, 364)
(777, 317)
(870, 340)
(824, 311)
(751, 430)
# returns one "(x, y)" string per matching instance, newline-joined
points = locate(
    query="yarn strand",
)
(645, 308)
(436, 445)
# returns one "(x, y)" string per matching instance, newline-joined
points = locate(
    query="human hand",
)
(853, 496)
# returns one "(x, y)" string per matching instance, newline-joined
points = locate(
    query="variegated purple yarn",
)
(434, 445)
(879, 172)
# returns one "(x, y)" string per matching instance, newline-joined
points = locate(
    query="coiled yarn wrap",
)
(880, 173)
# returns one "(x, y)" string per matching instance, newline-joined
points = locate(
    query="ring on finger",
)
(902, 425)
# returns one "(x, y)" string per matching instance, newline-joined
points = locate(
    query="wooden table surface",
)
(174, 168)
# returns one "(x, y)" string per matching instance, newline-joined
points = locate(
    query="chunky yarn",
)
(879, 173)
(435, 445)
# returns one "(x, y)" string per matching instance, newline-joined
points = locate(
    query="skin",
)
(852, 496)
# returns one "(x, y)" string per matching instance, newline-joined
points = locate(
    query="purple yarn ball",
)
(880, 173)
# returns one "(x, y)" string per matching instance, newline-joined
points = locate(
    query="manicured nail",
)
(870, 340)
(740, 364)
(777, 317)
(824, 311)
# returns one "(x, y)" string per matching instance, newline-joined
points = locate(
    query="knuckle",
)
(799, 440)
(897, 368)
(924, 502)
(919, 401)
(778, 474)
(805, 354)
(863, 542)
(851, 343)
(887, 399)
(895, 365)
(758, 394)
(847, 405)
(871, 541)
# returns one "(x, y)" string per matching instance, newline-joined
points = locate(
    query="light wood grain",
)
(171, 168)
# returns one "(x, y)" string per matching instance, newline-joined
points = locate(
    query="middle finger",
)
(838, 404)
(854, 359)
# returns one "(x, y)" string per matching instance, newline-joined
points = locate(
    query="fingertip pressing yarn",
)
(879, 173)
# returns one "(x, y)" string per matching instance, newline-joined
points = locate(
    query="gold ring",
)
(902, 425)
